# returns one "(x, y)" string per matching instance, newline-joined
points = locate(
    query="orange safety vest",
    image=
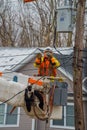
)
(28, 1)
(46, 69)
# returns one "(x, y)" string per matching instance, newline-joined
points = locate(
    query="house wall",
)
(29, 69)
(40, 125)
(25, 121)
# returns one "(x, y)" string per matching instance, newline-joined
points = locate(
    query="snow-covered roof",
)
(14, 58)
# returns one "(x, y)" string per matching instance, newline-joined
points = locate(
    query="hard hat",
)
(48, 52)
(48, 49)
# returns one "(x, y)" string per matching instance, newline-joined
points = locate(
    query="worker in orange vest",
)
(47, 64)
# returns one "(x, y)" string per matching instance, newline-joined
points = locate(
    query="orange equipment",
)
(34, 81)
(1, 73)
(28, 1)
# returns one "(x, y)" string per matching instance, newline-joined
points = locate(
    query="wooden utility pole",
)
(69, 42)
(77, 75)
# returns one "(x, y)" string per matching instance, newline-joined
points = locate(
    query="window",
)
(68, 118)
(7, 119)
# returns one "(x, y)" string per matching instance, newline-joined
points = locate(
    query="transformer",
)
(65, 19)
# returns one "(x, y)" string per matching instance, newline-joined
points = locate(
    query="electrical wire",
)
(12, 97)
